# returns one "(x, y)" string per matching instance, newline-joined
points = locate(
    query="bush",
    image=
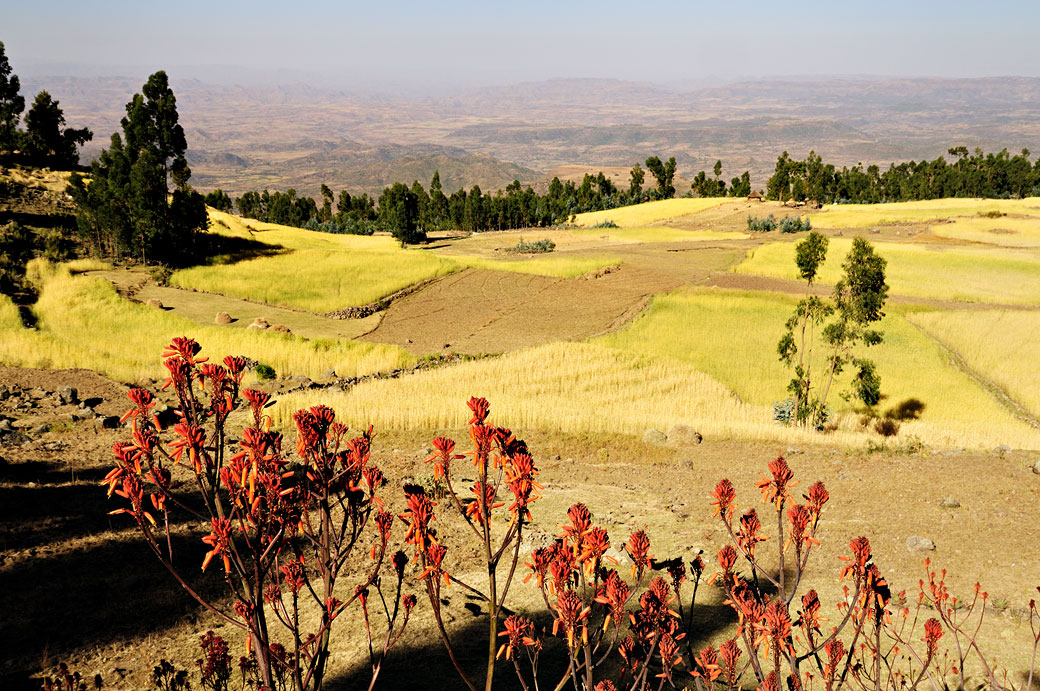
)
(886, 427)
(606, 224)
(783, 411)
(349, 226)
(264, 372)
(161, 275)
(795, 224)
(761, 225)
(536, 247)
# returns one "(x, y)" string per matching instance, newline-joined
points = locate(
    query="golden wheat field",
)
(650, 212)
(996, 275)
(863, 215)
(1007, 231)
(83, 322)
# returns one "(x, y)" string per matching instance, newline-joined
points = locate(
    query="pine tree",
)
(46, 141)
(12, 103)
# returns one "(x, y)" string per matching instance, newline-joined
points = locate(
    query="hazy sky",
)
(465, 43)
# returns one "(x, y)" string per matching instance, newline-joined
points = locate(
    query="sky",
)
(414, 45)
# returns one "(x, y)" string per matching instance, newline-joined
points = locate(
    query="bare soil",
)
(78, 586)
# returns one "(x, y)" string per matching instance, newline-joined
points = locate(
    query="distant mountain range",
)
(246, 137)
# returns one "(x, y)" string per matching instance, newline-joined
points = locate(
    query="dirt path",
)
(479, 311)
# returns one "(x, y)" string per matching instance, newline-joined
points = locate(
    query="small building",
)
(755, 196)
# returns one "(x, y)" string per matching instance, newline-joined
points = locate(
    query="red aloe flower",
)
(581, 521)
(614, 593)
(185, 348)
(747, 536)
(775, 627)
(193, 439)
(777, 488)
(638, 548)
(770, 683)
(816, 497)
(143, 403)
(480, 508)
(834, 651)
(571, 614)
(605, 685)
(707, 664)
(933, 631)
(294, 574)
(729, 654)
(480, 408)
(596, 542)
(809, 617)
(443, 456)
(219, 541)
(517, 629)
(417, 517)
(724, 494)
(434, 556)
(520, 480)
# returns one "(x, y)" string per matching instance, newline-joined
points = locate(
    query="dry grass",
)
(84, 323)
(863, 215)
(1005, 232)
(639, 215)
(969, 274)
(1001, 345)
(732, 337)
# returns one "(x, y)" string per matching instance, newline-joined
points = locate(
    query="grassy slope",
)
(732, 337)
(650, 212)
(971, 274)
(1005, 232)
(84, 323)
(1000, 345)
(863, 215)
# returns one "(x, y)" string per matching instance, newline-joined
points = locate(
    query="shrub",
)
(795, 224)
(761, 225)
(346, 226)
(783, 411)
(605, 224)
(886, 427)
(264, 372)
(161, 274)
(992, 214)
(537, 247)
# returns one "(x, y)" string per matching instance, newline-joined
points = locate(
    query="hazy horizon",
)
(416, 48)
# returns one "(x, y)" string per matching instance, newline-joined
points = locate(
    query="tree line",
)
(969, 174)
(410, 211)
(45, 141)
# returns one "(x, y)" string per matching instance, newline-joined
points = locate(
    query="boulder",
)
(654, 436)
(68, 395)
(916, 543)
(223, 318)
(260, 324)
(154, 302)
(684, 435)
(949, 503)
(281, 328)
(328, 374)
(1036, 466)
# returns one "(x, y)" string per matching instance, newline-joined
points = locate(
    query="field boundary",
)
(998, 393)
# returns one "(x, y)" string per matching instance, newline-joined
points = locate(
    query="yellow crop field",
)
(1001, 345)
(84, 323)
(1006, 232)
(971, 274)
(732, 336)
(319, 272)
(558, 265)
(862, 215)
(650, 212)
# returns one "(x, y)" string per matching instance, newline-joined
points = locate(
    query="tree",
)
(635, 187)
(127, 207)
(325, 215)
(12, 103)
(46, 141)
(219, 200)
(664, 173)
(858, 300)
(399, 213)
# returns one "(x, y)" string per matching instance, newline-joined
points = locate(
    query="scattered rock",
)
(794, 451)
(950, 503)
(156, 303)
(82, 413)
(654, 436)
(407, 340)
(619, 555)
(447, 345)
(5, 426)
(108, 421)
(68, 395)
(40, 430)
(916, 543)
(281, 328)
(223, 318)
(1002, 450)
(684, 435)
(260, 324)
(328, 374)
(686, 464)
(1036, 467)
